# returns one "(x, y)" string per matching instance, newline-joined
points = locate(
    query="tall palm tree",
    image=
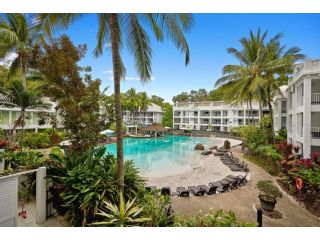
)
(112, 29)
(278, 66)
(17, 36)
(250, 69)
(16, 95)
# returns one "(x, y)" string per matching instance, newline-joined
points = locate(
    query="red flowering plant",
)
(3, 144)
(290, 155)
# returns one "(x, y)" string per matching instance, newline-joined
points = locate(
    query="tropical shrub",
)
(269, 151)
(282, 135)
(36, 140)
(252, 136)
(80, 184)
(212, 219)
(126, 215)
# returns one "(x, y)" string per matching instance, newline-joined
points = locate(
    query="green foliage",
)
(126, 215)
(282, 135)
(269, 165)
(36, 140)
(24, 160)
(252, 136)
(113, 127)
(311, 176)
(267, 188)
(269, 151)
(167, 115)
(57, 151)
(87, 180)
(213, 219)
(155, 207)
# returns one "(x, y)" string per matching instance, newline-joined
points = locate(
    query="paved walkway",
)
(243, 200)
(30, 220)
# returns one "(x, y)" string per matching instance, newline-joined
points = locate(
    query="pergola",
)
(154, 130)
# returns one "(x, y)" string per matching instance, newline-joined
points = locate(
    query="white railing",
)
(315, 98)
(315, 132)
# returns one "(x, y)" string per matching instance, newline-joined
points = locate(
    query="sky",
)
(211, 35)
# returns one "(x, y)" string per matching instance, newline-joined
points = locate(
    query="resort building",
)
(8, 116)
(280, 109)
(143, 118)
(303, 117)
(214, 116)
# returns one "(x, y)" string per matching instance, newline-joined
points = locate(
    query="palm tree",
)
(279, 65)
(144, 103)
(17, 36)
(250, 71)
(112, 29)
(17, 96)
(133, 104)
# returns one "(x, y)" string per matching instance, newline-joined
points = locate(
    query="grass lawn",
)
(268, 165)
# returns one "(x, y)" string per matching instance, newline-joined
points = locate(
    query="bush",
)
(212, 219)
(36, 140)
(267, 188)
(187, 131)
(270, 152)
(253, 136)
(113, 127)
(81, 183)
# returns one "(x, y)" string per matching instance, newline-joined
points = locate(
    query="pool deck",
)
(243, 200)
(210, 169)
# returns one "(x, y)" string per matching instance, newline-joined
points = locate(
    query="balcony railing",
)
(315, 132)
(315, 98)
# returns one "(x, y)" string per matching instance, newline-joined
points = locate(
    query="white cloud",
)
(108, 72)
(8, 59)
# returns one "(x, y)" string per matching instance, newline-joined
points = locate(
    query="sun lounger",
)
(151, 188)
(208, 190)
(166, 191)
(196, 191)
(243, 180)
(183, 192)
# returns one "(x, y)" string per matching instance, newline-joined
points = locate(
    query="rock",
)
(206, 153)
(199, 146)
(214, 147)
(226, 144)
(245, 150)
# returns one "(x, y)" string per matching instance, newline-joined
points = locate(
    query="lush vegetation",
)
(268, 189)
(213, 219)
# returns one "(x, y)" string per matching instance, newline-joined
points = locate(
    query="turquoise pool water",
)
(160, 157)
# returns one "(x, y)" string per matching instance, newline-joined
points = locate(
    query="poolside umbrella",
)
(107, 132)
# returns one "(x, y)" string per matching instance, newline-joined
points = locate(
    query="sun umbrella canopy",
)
(108, 131)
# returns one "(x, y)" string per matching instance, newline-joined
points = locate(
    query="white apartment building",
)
(303, 117)
(8, 116)
(214, 116)
(280, 110)
(152, 115)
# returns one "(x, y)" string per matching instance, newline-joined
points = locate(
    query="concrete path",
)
(243, 200)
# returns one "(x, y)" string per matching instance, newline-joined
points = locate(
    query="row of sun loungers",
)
(227, 184)
(234, 163)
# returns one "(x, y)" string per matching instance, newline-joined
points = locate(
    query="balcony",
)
(315, 132)
(315, 98)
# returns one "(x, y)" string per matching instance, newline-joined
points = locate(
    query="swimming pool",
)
(160, 157)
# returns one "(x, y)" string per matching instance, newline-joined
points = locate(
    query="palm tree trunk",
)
(118, 111)
(22, 128)
(271, 115)
(23, 73)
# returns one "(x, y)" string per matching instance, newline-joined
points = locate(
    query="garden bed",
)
(310, 202)
(269, 165)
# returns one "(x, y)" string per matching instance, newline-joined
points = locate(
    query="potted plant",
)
(269, 195)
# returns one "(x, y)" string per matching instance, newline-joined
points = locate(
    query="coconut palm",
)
(113, 29)
(279, 64)
(250, 70)
(17, 36)
(133, 103)
(16, 96)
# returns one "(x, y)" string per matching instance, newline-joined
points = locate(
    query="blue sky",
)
(208, 41)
